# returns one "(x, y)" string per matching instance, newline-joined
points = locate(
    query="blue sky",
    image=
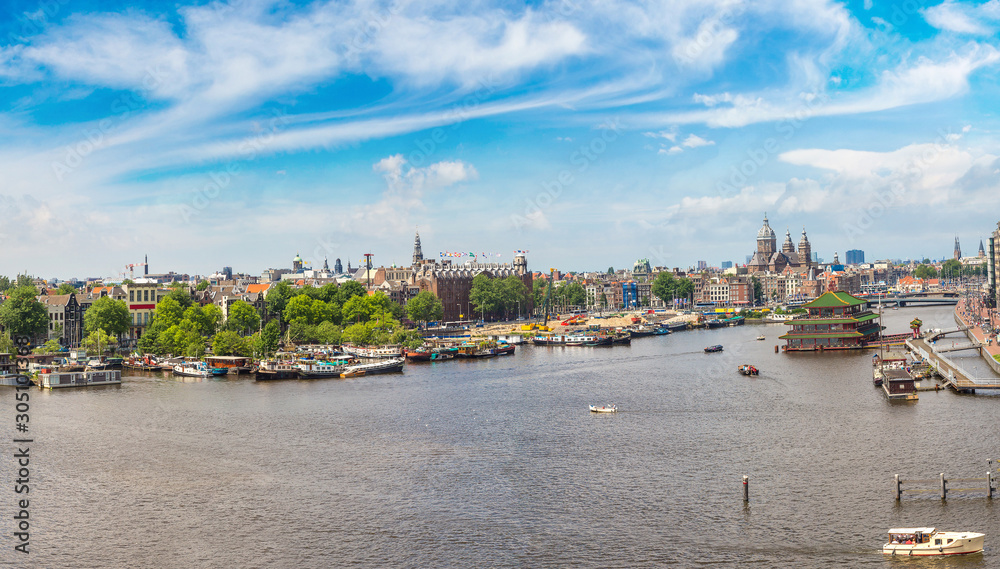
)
(590, 133)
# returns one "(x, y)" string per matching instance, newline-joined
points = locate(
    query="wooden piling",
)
(944, 488)
(775, 348)
(746, 488)
(989, 484)
(899, 489)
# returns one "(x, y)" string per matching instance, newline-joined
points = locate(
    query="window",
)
(937, 542)
(131, 296)
(145, 295)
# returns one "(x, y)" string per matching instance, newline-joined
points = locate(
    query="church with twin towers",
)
(768, 257)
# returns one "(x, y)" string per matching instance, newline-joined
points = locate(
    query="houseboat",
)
(316, 369)
(836, 321)
(373, 353)
(385, 366)
(898, 385)
(79, 379)
(273, 369)
(232, 364)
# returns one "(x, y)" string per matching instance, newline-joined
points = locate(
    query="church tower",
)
(788, 246)
(766, 240)
(520, 264)
(958, 249)
(418, 254)
(805, 251)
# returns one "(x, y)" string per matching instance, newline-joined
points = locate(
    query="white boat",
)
(385, 366)
(314, 369)
(79, 379)
(198, 369)
(761, 337)
(929, 541)
(604, 409)
(383, 352)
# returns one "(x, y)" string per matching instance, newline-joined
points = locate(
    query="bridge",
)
(915, 300)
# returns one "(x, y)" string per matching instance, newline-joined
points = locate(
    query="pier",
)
(951, 373)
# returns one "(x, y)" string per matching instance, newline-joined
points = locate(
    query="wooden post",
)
(944, 488)
(989, 484)
(899, 488)
(746, 488)
(775, 348)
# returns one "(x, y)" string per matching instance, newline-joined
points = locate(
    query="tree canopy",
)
(109, 315)
(21, 314)
(424, 307)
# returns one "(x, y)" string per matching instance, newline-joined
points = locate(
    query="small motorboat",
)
(761, 337)
(929, 541)
(716, 348)
(604, 409)
(747, 369)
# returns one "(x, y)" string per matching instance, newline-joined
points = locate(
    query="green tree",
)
(328, 333)
(758, 290)
(243, 318)
(300, 309)
(229, 343)
(181, 295)
(484, 295)
(573, 294)
(359, 334)
(424, 307)
(49, 347)
(302, 332)
(6, 343)
(5, 284)
(665, 287)
(268, 339)
(97, 342)
(203, 320)
(22, 315)
(213, 316)
(109, 315)
(951, 269)
(66, 288)
(349, 290)
(925, 272)
(611, 270)
(203, 285)
(25, 280)
(169, 311)
(278, 297)
(684, 288)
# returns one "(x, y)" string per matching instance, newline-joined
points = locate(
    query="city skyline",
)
(591, 135)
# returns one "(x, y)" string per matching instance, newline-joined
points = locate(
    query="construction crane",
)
(132, 266)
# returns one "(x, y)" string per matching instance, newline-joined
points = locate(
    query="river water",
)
(498, 463)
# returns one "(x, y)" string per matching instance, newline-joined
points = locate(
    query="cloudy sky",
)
(590, 133)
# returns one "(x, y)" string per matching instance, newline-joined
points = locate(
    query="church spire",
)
(418, 254)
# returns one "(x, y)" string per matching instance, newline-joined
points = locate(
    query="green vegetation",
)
(21, 314)
(66, 288)
(494, 298)
(97, 342)
(50, 347)
(666, 287)
(925, 272)
(424, 307)
(228, 343)
(6, 343)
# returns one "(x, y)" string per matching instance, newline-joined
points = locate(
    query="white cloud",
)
(694, 141)
(964, 18)
(404, 194)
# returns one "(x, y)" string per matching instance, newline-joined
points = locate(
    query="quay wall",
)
(994, 365)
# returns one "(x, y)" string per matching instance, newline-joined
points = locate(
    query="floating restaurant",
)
(836, 321)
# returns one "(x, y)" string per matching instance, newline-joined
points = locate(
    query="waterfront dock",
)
(951, 373)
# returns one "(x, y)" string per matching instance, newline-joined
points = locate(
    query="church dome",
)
(765, 232)
(297, 259)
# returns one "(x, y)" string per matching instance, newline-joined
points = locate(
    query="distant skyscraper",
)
(958, 249)
(748, 258)
(228, 272)
(815, 257)
(337, 267)
(727, 265)
(702, 265)
(855, 257)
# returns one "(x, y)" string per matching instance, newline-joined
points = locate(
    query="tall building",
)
(418, 253)
(855, 257)
(958, 249)
(338, 268)
(702, 265)
(726, 265)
